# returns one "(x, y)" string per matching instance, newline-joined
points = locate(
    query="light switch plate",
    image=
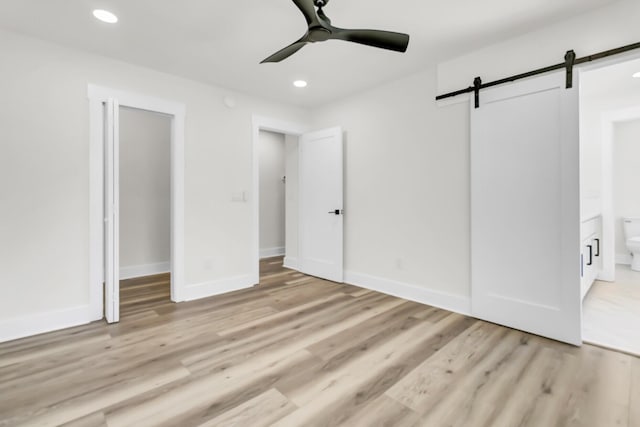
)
(238, 196)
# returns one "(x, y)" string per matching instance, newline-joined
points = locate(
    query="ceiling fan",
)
(320, 29)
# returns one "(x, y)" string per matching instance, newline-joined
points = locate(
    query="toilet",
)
(632, 236)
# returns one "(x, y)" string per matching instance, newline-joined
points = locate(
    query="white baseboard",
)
(144, 270)
(624, 259)
(290, 262)
(21, 327)
(271, 252)
(217, 287)
(446, 301)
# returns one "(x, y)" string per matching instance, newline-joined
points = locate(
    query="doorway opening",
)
(145, 210)
(275, 169)
(313, 194)
(277, 161)
(111, 203)
(272, 194)
(610, 203)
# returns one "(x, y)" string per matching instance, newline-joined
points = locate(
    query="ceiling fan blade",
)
(308, 10)
(382, 39)
(286, 52)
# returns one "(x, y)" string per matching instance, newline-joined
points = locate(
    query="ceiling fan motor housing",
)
(319, 34)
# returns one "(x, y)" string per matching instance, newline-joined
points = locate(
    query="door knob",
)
(336, 212)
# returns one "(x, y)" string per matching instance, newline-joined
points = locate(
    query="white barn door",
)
(321, 214)
(525, 207)
(111, 212)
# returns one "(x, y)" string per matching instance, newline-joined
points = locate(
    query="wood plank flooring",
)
(611, 312)
(300, 351)
(144, 293)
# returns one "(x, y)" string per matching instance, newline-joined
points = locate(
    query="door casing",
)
(112, 211)
(260, 123)
(98, 96)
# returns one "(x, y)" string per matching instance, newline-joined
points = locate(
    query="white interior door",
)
(112, 226)
(321, 214)
(525, 208)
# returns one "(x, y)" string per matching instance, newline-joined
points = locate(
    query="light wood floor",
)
(611, 312)
(299, 351)
(144, 293)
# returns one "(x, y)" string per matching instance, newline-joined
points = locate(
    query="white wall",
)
(272, 193)
(406, 185)
(145, 192)
(407, 160)
(44, 178)
(626, 179)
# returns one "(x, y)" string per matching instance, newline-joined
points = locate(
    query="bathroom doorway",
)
(610, 204)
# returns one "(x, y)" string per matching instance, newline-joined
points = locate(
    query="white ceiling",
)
(222, 42)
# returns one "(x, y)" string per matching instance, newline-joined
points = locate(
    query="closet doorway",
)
(274, 149)
(121, 247)
(144, 210)
(314, 215)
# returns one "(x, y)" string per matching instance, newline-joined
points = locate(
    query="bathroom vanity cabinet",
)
(591, 254)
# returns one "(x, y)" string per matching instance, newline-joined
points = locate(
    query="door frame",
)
(98, 95)
(261, 123)
(111, 213)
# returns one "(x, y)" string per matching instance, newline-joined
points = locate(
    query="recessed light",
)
(105, 16)
(637, 75)
(300, 83)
